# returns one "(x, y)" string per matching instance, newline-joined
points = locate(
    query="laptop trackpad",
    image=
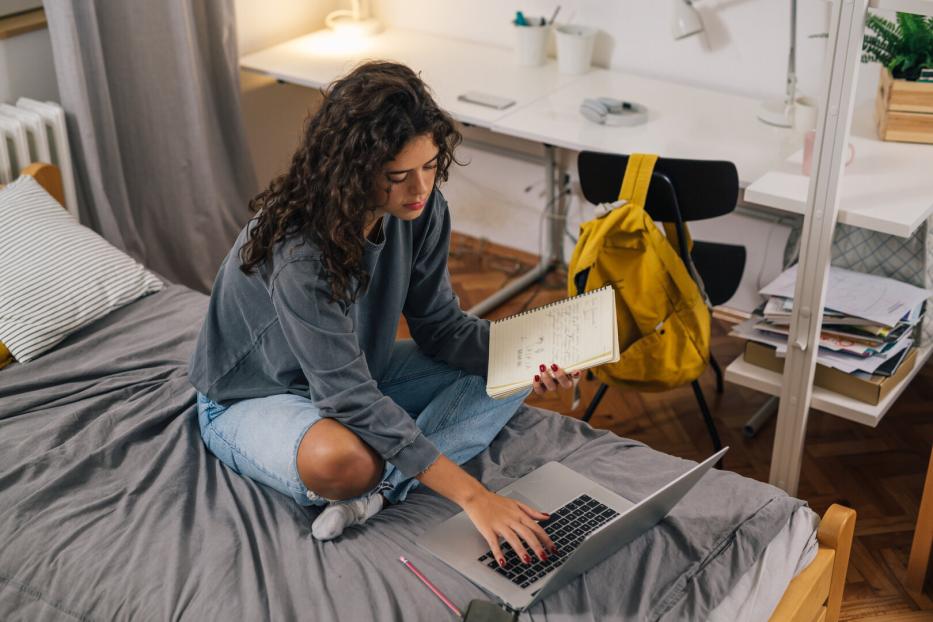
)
(514, 494)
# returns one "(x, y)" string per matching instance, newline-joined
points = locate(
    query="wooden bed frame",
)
(815, 595)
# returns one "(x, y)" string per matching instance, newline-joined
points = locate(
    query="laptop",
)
(588, 523)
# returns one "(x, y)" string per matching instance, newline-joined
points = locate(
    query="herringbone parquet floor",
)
(879, 472)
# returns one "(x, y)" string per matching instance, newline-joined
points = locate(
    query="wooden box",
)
(904, 110)
(869, 390)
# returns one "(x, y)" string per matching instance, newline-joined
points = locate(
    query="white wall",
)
(273, 113)
(26, 68)
(743, 48)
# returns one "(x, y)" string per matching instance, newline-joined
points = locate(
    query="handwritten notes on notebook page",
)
(576, 333)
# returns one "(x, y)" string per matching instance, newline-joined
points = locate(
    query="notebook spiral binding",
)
(551, 304)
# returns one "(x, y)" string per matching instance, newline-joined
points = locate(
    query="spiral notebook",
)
(576, 333)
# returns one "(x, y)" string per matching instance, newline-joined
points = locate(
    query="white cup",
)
(531, 43)
(574, 48)
(805, 111)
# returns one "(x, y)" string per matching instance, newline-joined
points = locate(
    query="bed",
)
(112, 509)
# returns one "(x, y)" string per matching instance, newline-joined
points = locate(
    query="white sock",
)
(339, 515)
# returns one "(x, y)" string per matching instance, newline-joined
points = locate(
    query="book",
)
(575, 333)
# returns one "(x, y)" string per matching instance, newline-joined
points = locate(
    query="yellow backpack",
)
(663, 317)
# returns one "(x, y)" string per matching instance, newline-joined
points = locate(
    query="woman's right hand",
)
(492, 514)
(496, 516)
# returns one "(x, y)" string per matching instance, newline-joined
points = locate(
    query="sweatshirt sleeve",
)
(437, 323)
(323, 340)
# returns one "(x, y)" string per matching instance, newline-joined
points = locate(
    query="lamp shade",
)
(685, 20)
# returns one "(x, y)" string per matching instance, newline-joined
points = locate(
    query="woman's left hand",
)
(550, 377)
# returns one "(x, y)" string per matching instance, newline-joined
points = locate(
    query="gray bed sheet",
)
(112, 509)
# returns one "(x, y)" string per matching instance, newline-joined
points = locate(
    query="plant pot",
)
(904, 110)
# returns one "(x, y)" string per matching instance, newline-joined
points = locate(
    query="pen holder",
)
(574, 48)
(531, 43)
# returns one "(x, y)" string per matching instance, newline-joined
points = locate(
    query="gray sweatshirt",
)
(275, 331)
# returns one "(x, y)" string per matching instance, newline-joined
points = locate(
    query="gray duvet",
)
(112, 509)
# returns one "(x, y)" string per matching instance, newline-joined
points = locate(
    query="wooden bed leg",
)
(923, 537)
(836, 531)
(815, 595)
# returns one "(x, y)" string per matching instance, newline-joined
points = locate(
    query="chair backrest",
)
(705, 188)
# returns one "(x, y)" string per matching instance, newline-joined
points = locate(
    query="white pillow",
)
(56, 275)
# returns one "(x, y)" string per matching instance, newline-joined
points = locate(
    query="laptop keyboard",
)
(567, 527)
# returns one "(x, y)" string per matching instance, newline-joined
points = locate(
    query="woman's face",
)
(406, 181)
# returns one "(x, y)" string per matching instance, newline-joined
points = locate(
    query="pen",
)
(554, 16)
(430, 585)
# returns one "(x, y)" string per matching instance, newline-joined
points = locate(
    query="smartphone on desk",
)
(485, 99)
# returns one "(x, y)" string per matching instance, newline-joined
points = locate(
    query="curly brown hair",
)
(365, 120)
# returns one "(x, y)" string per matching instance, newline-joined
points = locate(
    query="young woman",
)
(302, 385)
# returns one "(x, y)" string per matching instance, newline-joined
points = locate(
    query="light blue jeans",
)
(259, 438)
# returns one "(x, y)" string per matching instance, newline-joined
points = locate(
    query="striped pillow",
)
(56, 275)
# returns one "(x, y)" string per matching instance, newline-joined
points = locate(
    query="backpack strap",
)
(637, 178)
(635, 190)
(670, 230)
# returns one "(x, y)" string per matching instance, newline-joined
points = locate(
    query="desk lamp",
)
(686, 22)
(781, 113)
(354, 22)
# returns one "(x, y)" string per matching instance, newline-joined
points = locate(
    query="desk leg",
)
(923, 536)
(554, 250)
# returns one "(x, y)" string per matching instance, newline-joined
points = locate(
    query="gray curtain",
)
(151, 94)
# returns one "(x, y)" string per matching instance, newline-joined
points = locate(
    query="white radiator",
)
(34, 131)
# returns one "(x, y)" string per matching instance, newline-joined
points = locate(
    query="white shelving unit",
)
(887, 188)
(767, 381)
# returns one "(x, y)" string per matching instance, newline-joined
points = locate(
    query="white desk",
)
(887, 187)
(450, 67)
(684, 122)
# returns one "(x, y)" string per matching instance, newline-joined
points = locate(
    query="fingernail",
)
(537, 378)
(527, 559)
(542, 368)
(553, 366)
(501, 562)
(554, 549)
(543, 556)
(576, 374)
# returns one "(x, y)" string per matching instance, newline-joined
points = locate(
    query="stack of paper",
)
(868, 321)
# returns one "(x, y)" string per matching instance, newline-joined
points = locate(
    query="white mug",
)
(805, 111)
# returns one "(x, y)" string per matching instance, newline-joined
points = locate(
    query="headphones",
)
(611, 111)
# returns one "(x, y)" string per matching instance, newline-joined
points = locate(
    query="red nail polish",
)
(542, 367)
(502, 562)
(537, 378)
(576, 374)
(543, 556)
(527, 559)
(553, 366)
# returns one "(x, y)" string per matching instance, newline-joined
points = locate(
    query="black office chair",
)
(680, 191)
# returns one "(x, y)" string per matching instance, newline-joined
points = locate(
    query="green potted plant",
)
(904, 106)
